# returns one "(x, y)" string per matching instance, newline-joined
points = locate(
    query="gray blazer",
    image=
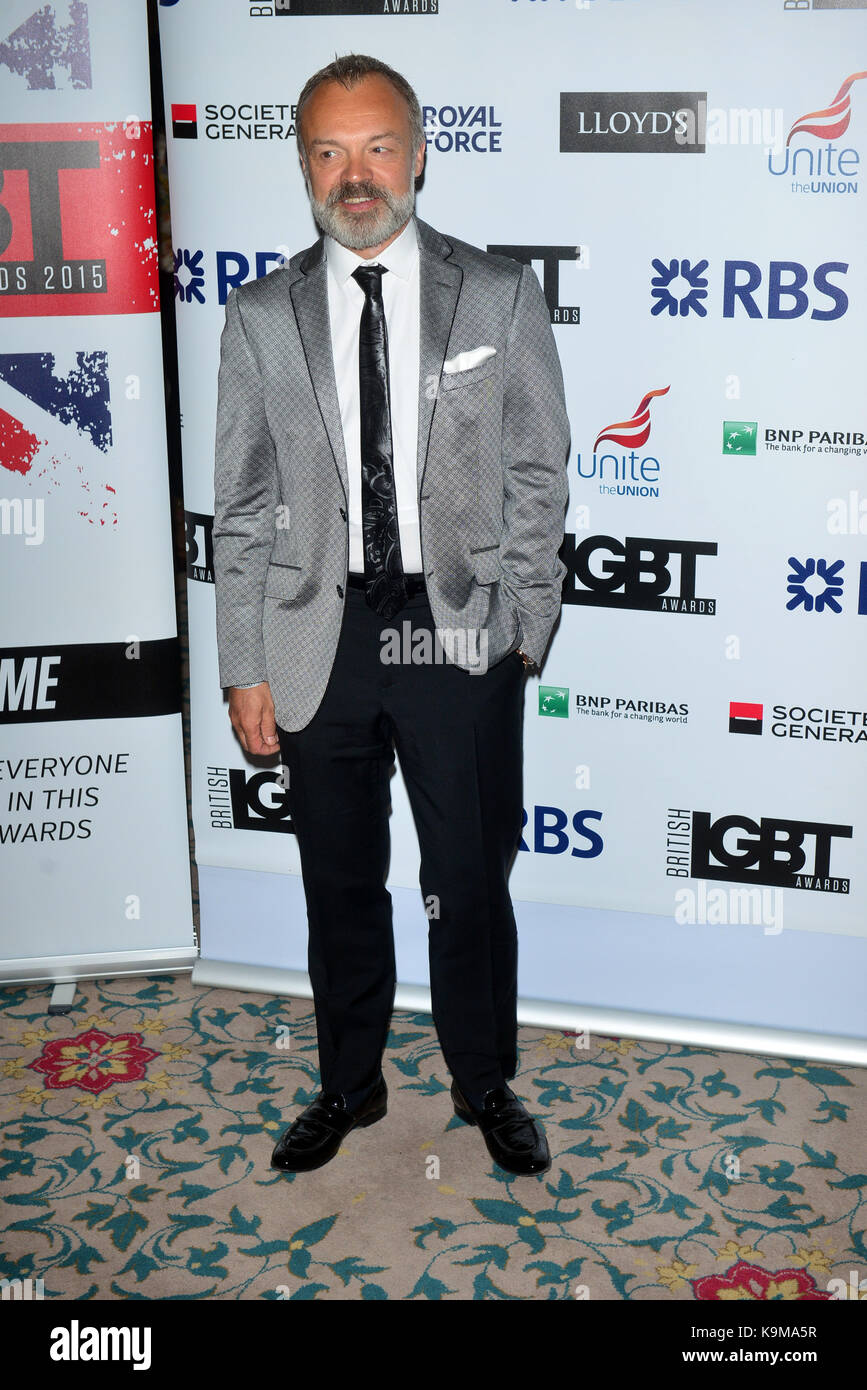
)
(491, 465)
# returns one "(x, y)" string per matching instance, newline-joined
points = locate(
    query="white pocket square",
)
(471, 358)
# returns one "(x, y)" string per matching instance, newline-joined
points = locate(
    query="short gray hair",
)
(348, 70)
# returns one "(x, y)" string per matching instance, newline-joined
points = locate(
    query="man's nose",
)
(357, 168)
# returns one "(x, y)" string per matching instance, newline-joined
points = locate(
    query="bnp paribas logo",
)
(554, 701)
(739, 436)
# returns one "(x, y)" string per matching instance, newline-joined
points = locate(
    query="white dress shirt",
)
(400, 298)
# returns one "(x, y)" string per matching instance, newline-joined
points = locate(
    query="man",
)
(391, 459)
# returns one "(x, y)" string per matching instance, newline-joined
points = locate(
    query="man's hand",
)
(252, 715)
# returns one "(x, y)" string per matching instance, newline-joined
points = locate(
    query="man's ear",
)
(419, 158)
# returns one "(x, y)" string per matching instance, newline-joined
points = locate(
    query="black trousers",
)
(459, 739)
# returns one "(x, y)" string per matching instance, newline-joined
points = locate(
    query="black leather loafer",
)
(316, 1135)
(515, 1141)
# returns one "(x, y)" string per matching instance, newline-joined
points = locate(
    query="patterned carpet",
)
(137, 1131)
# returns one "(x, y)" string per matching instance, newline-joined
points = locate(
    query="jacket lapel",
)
(439, 287)
(310, 301)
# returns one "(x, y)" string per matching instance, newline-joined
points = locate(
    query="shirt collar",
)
(399, 258)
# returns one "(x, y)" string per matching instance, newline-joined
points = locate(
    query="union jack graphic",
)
(637, 430)
(56, 430)
(833, 120)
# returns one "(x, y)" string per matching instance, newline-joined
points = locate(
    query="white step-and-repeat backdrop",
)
(687, 182)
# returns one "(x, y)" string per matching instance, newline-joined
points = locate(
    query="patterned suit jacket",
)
(491, 466)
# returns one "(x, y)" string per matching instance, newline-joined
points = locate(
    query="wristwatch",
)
(527, 660)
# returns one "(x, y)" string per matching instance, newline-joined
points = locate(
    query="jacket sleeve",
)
(535, 483)
(245, 506)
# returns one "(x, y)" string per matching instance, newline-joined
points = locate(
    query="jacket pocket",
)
(486, 565)
(454, 381)
(282, 581)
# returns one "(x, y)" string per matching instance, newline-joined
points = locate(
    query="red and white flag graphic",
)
(833, 120)
(634, 433)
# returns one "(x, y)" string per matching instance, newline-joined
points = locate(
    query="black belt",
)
(414, 583)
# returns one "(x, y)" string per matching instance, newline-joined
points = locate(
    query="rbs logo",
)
(784, 294)
(787, 290)
(550, 835)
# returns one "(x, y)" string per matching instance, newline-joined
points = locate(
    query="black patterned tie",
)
(385, 590)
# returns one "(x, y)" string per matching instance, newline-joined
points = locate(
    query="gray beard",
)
(359, 231)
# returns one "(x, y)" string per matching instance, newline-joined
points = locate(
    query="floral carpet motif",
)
(93, 1061)
(136, 1134)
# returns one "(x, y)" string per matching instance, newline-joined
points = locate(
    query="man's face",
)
(360, 167)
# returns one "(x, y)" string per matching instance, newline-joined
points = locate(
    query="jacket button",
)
(340, 590)
(343, 513)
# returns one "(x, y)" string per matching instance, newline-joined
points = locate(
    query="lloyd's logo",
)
(632, 122)
(630, 474)
(828, 167)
